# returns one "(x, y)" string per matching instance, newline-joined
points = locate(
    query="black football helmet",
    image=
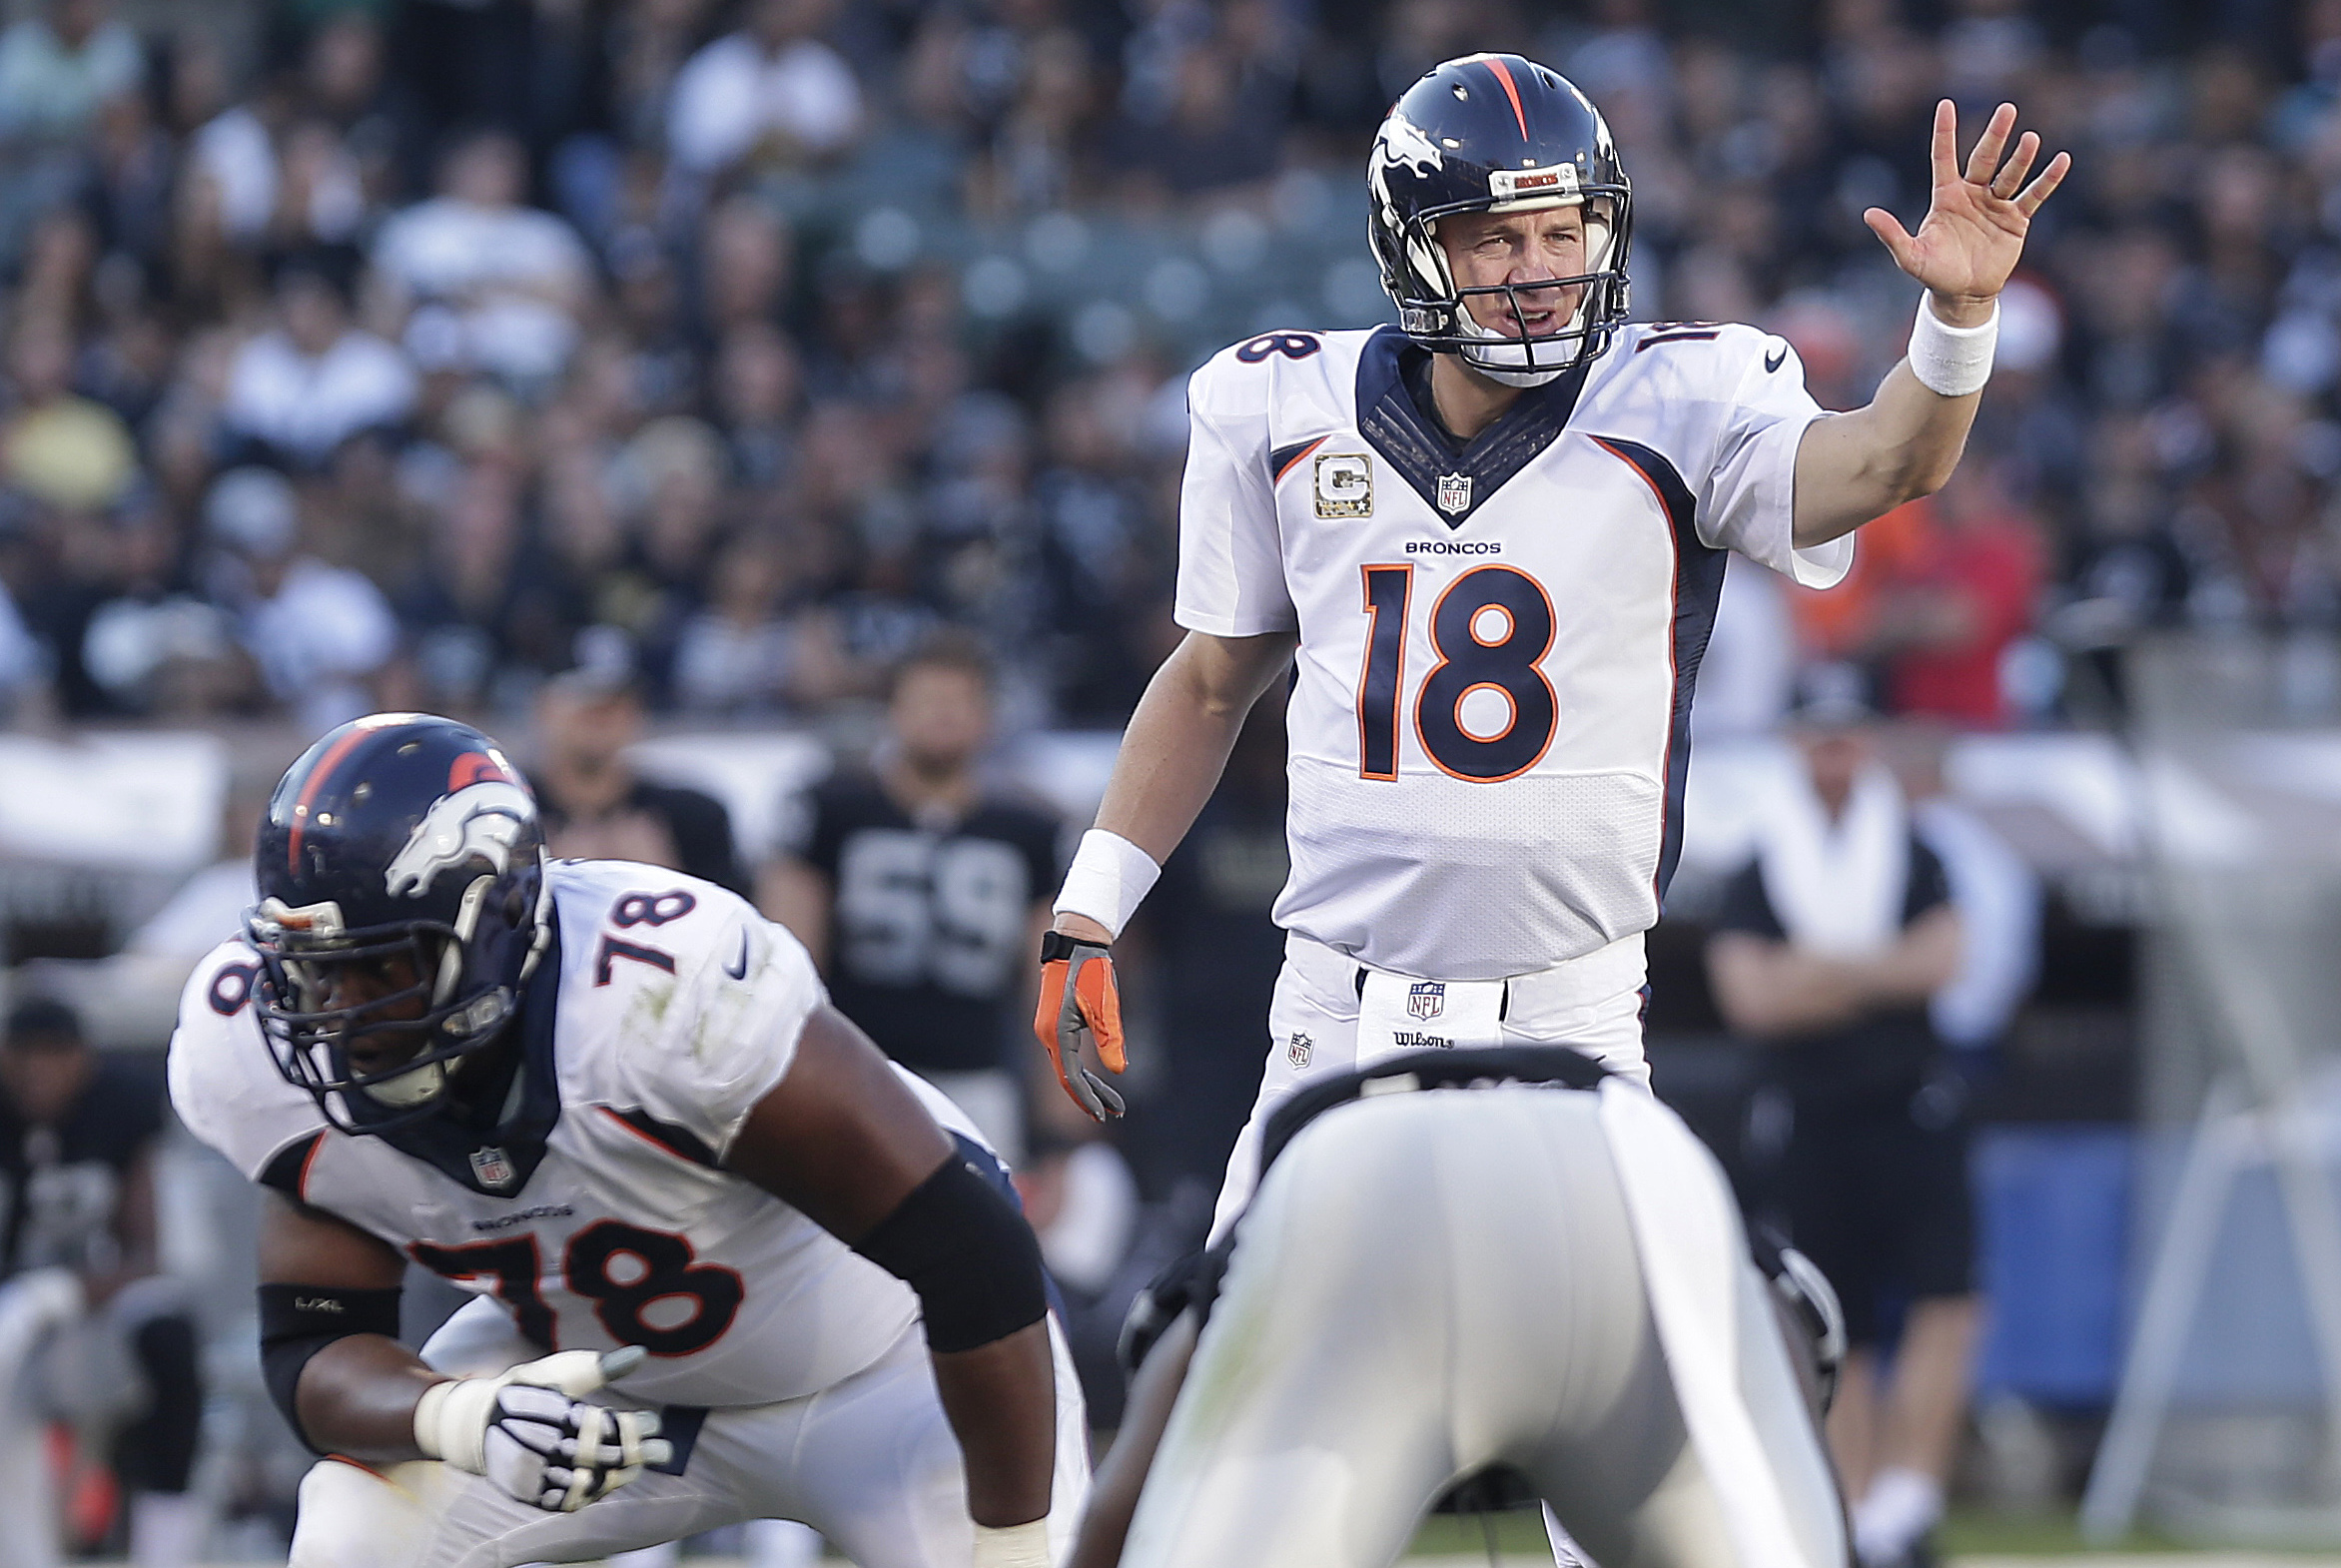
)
(406, 847)
(1498, 134)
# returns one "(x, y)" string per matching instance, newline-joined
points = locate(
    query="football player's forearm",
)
(1178, 737)
(1862, 465)
(1001, 1400)
(1114, 1493)
(356, 1397)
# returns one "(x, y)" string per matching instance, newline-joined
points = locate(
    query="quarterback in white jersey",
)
(730, 1262)
(1492, 539)
(1522, 616)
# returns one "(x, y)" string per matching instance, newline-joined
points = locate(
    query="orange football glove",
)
(1080, 1004)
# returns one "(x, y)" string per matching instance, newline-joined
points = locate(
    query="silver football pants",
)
(1431, 1282)
(1593, 1004)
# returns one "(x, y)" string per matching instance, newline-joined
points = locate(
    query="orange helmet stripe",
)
(1504, 76)
(313, 785)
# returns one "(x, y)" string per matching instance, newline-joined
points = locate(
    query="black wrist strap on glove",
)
(1056, 945)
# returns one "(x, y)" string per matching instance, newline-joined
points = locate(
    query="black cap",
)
(1833, 696)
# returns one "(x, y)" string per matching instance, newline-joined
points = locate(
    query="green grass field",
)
(1972, 1538)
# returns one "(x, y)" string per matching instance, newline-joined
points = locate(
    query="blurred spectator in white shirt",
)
(506, 278)
(739, 653)
(316, 632)
(772, 81)
(312, 383)
(236, 162)
(286, 182)
(1997, 896)
(58, 66)
(321, 194)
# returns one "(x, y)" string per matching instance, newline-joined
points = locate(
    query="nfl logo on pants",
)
(1426, 999)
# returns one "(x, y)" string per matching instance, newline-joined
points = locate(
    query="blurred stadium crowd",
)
(571, 365)
(422, 351)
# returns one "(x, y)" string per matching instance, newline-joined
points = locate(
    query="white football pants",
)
(871, 1463)
(1431, 1282)
(1593, 1004)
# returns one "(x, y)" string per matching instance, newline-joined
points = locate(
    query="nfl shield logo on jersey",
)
(493, 1168)
(1426, 999)
(1455, 492)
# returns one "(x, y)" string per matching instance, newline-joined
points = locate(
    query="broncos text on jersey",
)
(666, 1010)
(1525, 611)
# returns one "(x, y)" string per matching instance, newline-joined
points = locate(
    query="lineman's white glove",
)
(531, 1432)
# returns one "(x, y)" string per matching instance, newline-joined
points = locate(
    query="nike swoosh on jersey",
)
(740, 973)
(1774, 359)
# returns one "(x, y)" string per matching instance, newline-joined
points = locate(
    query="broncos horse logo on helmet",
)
(1498, 134)
(407, 848)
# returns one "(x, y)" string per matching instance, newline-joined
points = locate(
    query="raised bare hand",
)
(1974, 231)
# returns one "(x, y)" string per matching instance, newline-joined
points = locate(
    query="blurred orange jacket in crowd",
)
(1839, 624)
(1940, 589)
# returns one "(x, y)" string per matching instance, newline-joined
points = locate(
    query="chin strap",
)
(1505, 359)
(1510, 376)
(410, 1087)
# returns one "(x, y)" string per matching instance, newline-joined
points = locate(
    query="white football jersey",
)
(672, 1009)
(1489, 723)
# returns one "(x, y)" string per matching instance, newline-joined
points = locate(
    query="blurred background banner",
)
(766, 417)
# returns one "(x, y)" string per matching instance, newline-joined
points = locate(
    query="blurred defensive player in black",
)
(919, 890)
(77, 1229)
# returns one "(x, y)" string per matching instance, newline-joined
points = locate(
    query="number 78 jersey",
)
(1491, 721)
(599, 1211)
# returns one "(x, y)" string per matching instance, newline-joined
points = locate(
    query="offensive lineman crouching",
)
(1544, 1276)
(614, 1102)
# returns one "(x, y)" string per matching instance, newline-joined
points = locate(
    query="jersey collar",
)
(1410, 439)
(498, 1162)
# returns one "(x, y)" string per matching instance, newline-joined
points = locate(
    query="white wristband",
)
(1108, 877)
(1014, 1545)
(1951, 361)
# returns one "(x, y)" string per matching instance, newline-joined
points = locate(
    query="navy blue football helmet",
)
(1498, 134)
(403, 902)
